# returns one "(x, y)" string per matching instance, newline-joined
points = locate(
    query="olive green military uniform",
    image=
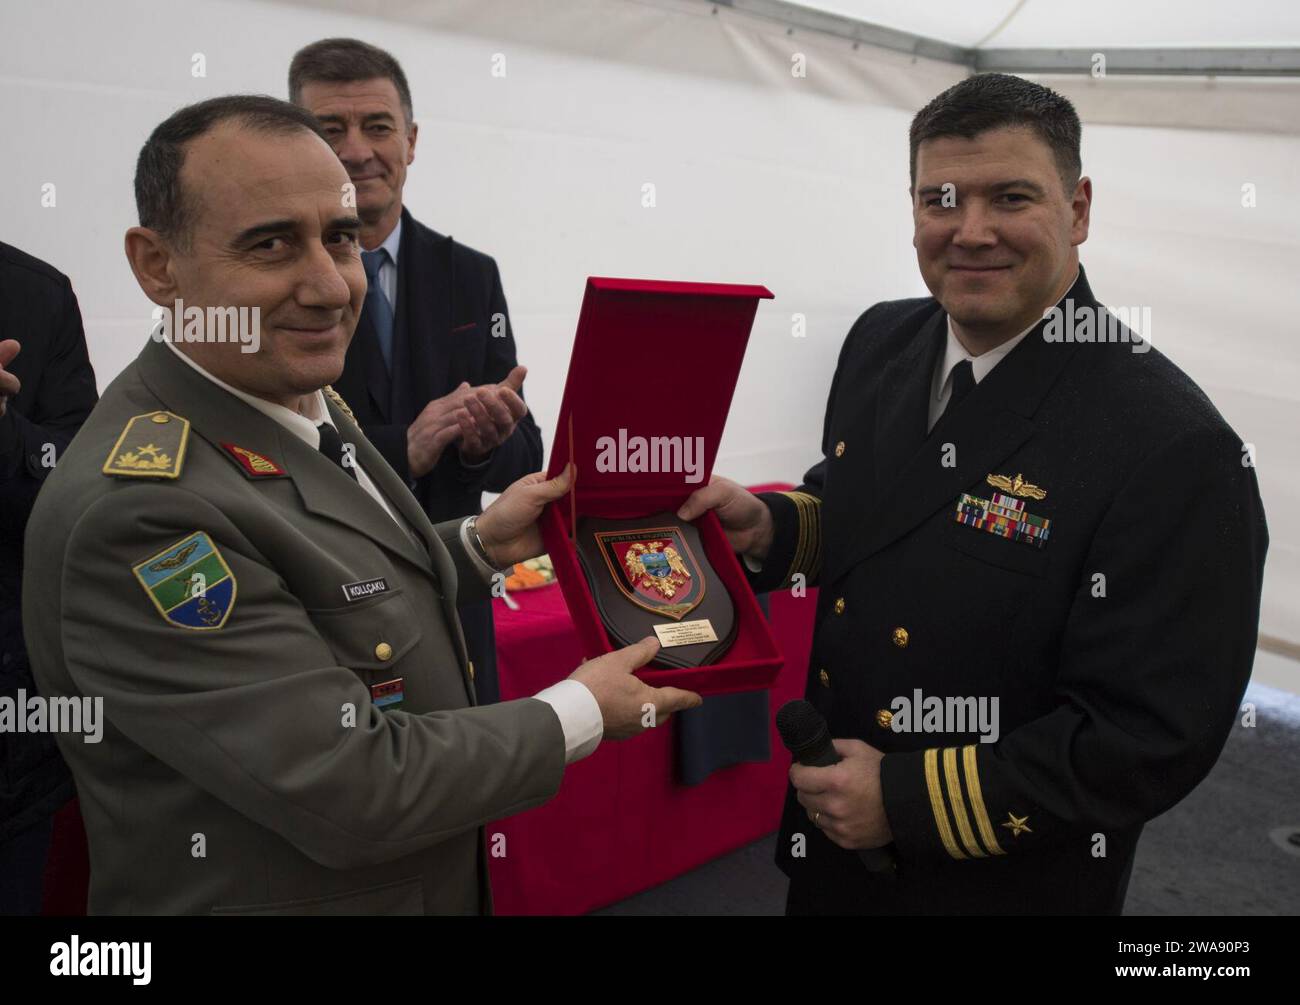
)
(290, 721)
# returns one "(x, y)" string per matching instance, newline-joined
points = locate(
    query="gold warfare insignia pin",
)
(1017, 486)
(151, 446)
(190, 583)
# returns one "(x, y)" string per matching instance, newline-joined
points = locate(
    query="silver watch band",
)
(476, 542)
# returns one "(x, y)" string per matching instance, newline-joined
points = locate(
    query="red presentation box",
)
(655, 359)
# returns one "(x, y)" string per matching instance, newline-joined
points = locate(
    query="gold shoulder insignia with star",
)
(339, 403)
(151, 446)
(1017, 486)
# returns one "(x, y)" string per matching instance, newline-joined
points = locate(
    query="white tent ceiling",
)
(1064, 23)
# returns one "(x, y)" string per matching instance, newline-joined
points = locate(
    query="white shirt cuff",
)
(485, 570)
(579, 716)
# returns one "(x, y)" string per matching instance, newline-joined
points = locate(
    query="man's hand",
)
(9, 384)
(491, 413)
(744, 517)
(629, 705)
(508, 528)
(845, 799)
(480, 418)
(435, 429)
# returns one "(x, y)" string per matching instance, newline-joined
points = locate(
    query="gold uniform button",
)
(884, 717)
(383, 652)
(839, 449)
(824, 677)
(839, 605)
(900, 638)
(160, 419)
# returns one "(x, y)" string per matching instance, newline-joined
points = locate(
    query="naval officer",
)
(1039, 548)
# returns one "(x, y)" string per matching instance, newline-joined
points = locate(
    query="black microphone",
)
(805, 734)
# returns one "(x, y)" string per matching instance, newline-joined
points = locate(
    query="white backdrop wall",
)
(760, 176)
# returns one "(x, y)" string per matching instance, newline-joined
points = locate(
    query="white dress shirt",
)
(981, 365)
(574, 704)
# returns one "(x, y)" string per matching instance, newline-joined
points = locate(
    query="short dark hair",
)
(159, 198)
(998, 100)
(343, 61)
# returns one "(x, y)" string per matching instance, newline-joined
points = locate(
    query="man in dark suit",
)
(47, 388)
(431, 373)
(1039, 547)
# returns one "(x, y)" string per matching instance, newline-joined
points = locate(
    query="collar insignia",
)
(253, 464)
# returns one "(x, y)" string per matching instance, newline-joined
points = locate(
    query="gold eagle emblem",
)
(1017, 486)
(666, 585)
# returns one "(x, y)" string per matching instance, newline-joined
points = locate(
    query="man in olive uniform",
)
(266, 612)
(1039, 554)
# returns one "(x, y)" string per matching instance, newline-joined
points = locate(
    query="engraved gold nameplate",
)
(686, 633)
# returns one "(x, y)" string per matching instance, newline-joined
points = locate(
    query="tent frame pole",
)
(1192, 62)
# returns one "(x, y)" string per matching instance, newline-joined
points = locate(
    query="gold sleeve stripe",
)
(959, 804)
(800, 501)
(808, 547)
(801, 544)
(936, 804)
(815, 522)
(972, 771)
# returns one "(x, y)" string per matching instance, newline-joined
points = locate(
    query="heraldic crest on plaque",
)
(650, 573)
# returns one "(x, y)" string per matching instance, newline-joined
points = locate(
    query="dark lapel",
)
(424, 308)
(903, 403)
(220, 417)
(994, 420)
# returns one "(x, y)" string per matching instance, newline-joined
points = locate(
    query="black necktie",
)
(963, 380)
(331, 445)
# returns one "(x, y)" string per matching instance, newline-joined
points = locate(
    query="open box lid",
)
(651, 360)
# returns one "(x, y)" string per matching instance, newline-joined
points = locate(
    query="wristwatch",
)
(476, 542)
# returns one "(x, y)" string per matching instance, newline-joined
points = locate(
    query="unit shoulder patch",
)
(189, 583)
(151, 446)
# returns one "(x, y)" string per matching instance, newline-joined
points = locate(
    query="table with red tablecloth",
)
(620, 823)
